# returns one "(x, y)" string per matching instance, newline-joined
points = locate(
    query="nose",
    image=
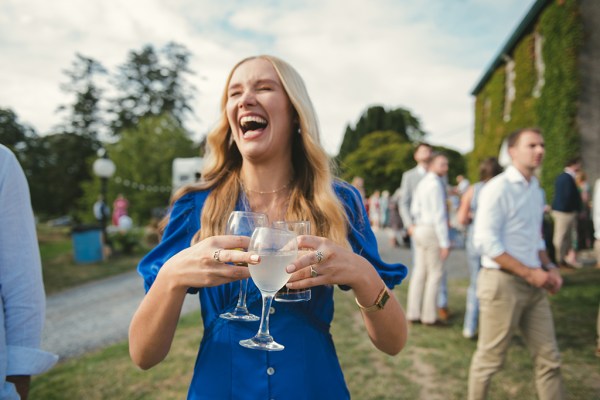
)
(247, 98)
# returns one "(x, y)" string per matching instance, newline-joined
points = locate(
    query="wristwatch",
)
(382, 298)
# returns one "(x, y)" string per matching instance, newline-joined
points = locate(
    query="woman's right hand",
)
(208, 263)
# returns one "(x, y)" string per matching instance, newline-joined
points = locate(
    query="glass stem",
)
(242, 297)
(263, 330)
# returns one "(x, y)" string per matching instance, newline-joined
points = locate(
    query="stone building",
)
(547, 75)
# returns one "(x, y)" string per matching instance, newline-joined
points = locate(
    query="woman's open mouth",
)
(252, 123)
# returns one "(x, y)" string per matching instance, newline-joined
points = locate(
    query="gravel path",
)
(97, 314)
(94, 315)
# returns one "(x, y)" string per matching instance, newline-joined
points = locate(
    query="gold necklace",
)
(246, 188)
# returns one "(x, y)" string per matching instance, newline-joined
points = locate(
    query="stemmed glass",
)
(293, 295)
(243, 223)
(277, 248)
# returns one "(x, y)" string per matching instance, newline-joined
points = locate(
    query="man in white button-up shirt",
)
(22, 301)
(516, 272)
(431, 242)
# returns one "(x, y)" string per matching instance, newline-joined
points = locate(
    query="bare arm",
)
(387, 327)
(153, 325)
(463, 215)
(534, 276)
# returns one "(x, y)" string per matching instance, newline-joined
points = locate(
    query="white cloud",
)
(351, 55)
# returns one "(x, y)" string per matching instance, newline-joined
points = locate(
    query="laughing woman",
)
(265, 155)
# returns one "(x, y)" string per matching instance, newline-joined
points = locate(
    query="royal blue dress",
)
(308, 367)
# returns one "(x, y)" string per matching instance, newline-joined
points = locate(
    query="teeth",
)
(252, 118)
(252, 122)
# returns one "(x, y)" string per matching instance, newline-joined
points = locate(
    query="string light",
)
(142, 187)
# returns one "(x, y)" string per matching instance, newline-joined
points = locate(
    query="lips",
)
(250, 123)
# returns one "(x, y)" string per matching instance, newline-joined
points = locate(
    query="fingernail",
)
(290, 268)
(254, 257)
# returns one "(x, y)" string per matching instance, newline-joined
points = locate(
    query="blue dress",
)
(308, 367)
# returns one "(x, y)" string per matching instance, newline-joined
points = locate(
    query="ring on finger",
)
(216, 255)
(313, 272)
(320, 256)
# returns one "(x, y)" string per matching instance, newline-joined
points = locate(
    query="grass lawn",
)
(434, 364)
(59, 268)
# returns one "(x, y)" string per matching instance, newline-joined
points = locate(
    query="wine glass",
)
(277, 248)
(293, 295)
(243, 223)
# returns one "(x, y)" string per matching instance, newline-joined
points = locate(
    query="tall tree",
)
(377, 118)
(84, 114)
(143, 157)
(152, 83)
(380, 160)
(15, 135)
(56, 166)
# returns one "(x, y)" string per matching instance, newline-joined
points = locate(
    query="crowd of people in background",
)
(424, 212)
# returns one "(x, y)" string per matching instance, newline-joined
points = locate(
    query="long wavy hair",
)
(312, 196)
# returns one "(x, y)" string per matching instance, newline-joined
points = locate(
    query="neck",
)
(526, 172)
(263, 181)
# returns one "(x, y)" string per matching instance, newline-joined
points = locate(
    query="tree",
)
(84, 114)
(15, 135)
(380, 160)
(56, 165)
(151, 85)
(143, 157)
(376, 118)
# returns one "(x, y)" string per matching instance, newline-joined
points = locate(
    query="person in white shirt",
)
(517, 273)
(410, 180)
(22, 300)
(431, 242)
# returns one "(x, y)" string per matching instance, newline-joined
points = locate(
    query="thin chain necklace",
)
(246, 188)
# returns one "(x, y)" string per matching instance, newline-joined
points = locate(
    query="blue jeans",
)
(442, 297)
(472, 307)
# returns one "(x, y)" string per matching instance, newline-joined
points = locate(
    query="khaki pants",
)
(506, 303)
(564, 222)
(426, 276)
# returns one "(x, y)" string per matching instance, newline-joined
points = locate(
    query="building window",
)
(540, 67)
(509, 87)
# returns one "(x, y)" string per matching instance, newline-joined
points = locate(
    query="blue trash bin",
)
(87, 244)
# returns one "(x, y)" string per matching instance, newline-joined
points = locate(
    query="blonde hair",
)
(312, 196)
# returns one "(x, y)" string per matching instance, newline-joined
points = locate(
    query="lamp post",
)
(104, 168)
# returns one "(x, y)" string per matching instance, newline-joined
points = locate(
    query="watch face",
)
(384, 299)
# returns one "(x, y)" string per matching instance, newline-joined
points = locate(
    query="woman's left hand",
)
(328, 264)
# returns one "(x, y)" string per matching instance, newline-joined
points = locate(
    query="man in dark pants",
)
(565, 206)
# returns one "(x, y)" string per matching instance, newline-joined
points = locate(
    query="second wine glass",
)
(243, 223)
(287, 295)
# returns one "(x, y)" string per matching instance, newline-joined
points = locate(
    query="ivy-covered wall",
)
(554, 111)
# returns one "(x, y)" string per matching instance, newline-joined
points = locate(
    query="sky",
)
(425, 56)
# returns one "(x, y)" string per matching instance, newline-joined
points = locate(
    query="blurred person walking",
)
(488, 168)
(120, 206)
(431, 242)
(22, 298)
(516, 272)
(565, 207)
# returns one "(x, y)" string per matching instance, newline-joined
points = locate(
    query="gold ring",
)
(216, 255)
(313, 272)
(319, 255)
